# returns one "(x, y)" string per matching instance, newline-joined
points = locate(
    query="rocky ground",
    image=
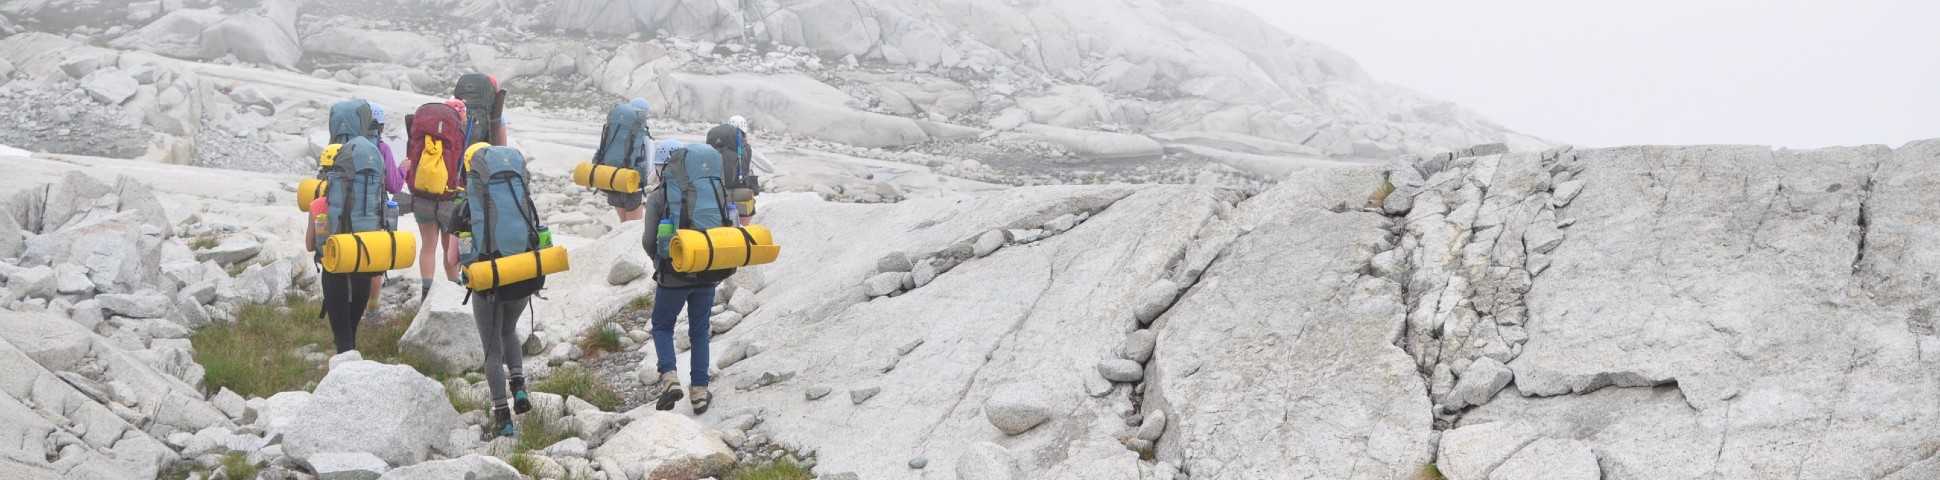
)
(1032, 245)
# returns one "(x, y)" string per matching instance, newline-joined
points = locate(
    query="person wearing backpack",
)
(353, 203)
(433, 171)
(691, 195)
(484, 108)
(623, 144)
(731, 139)
(500, 220)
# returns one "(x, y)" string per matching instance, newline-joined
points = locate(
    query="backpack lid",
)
(351, 119)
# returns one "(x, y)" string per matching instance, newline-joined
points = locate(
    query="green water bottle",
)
(666, 228)
(545, 237)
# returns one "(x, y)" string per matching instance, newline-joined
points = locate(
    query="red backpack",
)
(436, 151)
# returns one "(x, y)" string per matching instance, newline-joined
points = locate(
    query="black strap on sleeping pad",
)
(393, 265)
(710, 251)
(749, 258)
(363, 254)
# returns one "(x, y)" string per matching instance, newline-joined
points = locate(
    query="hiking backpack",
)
(434, 151)
(484, 102)
(498, 198)
(356, 189)
(623, 143)
(735, 155)
(350, 119)
(696, 199)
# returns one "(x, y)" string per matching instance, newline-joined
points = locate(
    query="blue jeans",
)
(666, 308)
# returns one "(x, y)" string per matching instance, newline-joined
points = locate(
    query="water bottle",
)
(545, 236)
(390, 213)
(734, 212)
(322, 227)
(464, 247)
(666, 228)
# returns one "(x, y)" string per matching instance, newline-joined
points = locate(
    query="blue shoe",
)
(521, 401)
(504, 416)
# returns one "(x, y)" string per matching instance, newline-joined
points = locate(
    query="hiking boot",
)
(700, 399)
(504, 427)
(521, 401)
(668, 391)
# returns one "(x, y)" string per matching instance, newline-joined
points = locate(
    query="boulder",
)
(347, 466)
(625, 270)
(1155, 299)
(883, 284)
(792, 104)
(1479, 383)
(232, 250)
(1471, 452)
(177, 34)
(473, 467)
(1019, 407)
(1121, 370)
(253, 38)
(1139, 345)
(36, 282)
(12, 239)
(71, 279)
(386, 410)
(445, 331)
(657, 440)
(134, 306)
(111, 87)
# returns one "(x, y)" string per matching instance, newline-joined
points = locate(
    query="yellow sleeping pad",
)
(722, 248)
(307, 191)
(517, 268)
(605, 177)
(369, 252)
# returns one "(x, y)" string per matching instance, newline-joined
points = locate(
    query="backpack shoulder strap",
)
(677, 171)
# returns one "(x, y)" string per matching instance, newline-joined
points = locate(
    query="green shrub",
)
(579, 382)
(605, 338)
(640, 303)
(462, 402)
(540, 430)
(782, 470)
(236, 466)
(256, 355)
(204, 242)
(522, 462)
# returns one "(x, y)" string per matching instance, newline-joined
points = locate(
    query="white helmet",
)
(738, 122)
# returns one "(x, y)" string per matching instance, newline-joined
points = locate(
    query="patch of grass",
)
(604, 338)
(580, 382)
(1429, 471)
(176, 471)
(782, 470)
(462, 402)
(640, 303)
(523, 462)
(236, 465)
(256, 356)
(204, 242)
(1380, 196)
(541, 430)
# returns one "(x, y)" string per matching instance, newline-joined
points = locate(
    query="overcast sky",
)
(1599, 73)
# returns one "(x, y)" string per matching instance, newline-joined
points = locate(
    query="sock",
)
(518, 381)
(427, 287)
(500, 404)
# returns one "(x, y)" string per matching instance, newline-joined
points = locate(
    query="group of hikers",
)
(470, 195)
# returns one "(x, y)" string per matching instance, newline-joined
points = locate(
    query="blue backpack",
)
(504, 222)
(696, 195)
(356, 190)
(623, 143)
(350, 119)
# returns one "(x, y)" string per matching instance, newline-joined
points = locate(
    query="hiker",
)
(731, 140)
(623, 146)
(484, 108)
(393, 184)
(433, 171)
(354, 201)
(687, 197)
(501, 221)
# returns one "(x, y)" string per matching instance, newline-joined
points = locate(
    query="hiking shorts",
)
(623, 201)
(427, 210)
(746, 208)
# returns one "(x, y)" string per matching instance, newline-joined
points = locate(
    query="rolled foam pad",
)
(369, 252)
(605, 177)
(307, 191)
(722, 248)
(516, 268)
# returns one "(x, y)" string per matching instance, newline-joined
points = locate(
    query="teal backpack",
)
(350, 119)
(623, 143)
(503, 222)
(696, 199)
(356, 192)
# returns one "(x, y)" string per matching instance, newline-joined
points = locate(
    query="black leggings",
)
(344, 298)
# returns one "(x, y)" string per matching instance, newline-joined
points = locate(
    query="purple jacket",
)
(393, 176)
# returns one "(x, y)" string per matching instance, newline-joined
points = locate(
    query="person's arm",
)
(393, 177)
